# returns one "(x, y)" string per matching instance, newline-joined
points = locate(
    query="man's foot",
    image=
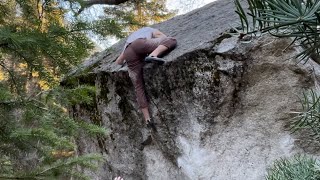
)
(154, 59)
(148, 141)
(151, 125)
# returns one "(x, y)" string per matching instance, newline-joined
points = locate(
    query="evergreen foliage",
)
(297, 168)
(309, 117)
(37, 47)
(298, 19)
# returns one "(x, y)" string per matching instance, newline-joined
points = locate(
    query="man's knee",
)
(170, 43)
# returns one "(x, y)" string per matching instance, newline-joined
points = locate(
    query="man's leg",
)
(135, 65)
(157, 46)
(136, 75)
(146, 113)
(159, 50)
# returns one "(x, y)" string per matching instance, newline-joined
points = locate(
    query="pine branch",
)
(8, 102)
(4, 44)
(11, 77)
(20, 54)
(70, 32)
(39, 102)
(3, 177)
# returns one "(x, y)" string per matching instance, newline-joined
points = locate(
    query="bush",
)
(297, 168)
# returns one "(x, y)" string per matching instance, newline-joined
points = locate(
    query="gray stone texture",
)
(222, 105)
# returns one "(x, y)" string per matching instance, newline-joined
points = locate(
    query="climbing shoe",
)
(148, 141)
(154, 59)
(151, 125)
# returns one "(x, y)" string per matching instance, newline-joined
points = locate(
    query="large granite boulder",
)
(222, 105)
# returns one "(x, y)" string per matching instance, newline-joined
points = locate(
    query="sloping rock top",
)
(195, 30)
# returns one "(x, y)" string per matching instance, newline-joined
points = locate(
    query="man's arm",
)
(157, 34)
(120, 59)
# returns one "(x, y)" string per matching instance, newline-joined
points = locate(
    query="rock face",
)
(222, 105)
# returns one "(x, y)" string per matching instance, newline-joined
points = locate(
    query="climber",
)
(144, 45)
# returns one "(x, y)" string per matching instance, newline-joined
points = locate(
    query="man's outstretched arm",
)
(120, 59)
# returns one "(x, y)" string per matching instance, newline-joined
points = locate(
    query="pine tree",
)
(37, 47)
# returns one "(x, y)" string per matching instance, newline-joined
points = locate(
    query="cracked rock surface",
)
(221, 105)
